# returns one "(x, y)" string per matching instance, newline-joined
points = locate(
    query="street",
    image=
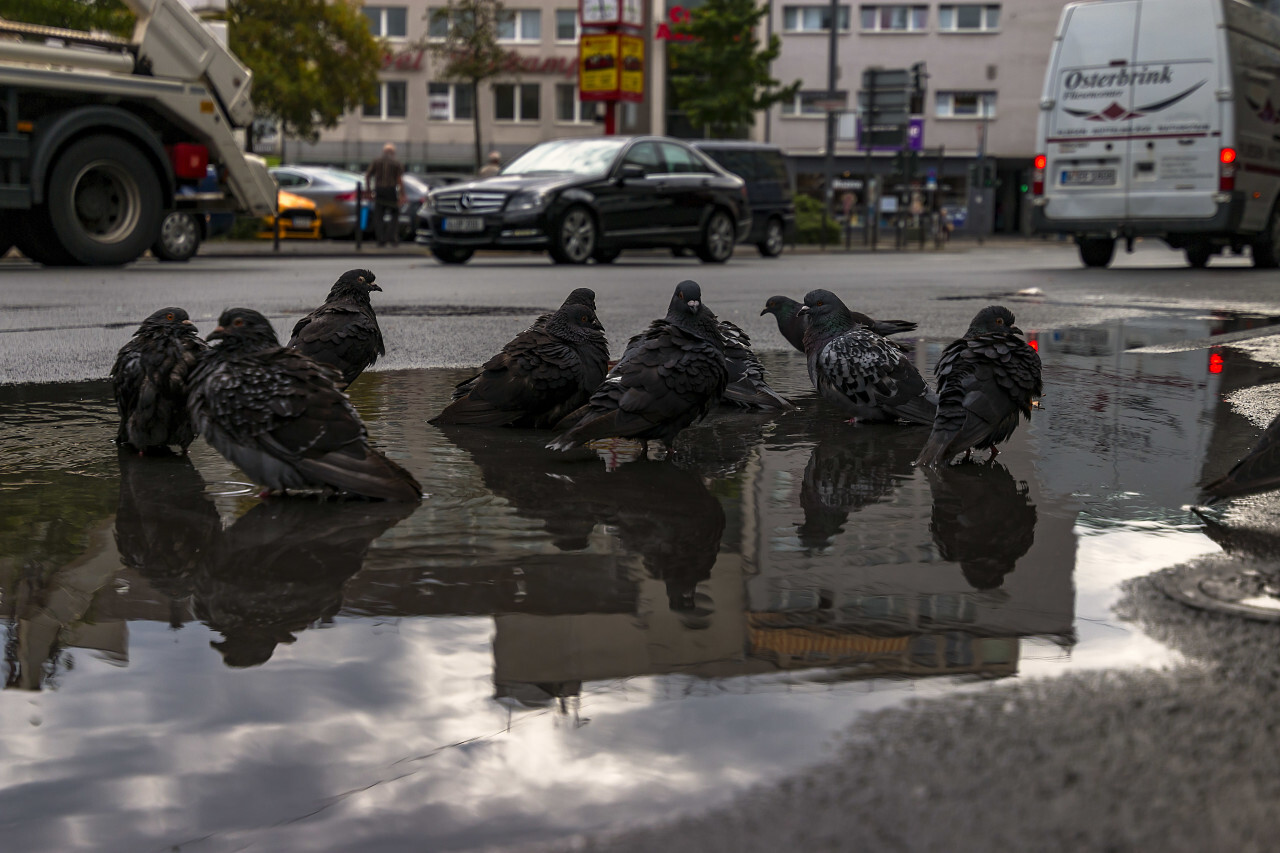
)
(785, 638)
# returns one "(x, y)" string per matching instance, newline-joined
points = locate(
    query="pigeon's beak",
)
(693, 305)
(217, 334)
(375, 287)
(804, 309)
(1016, 330)
(597, 325)
(187, 323)
(764, 311)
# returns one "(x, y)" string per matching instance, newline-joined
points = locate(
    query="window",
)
(388, 21)
(897, 18)
(968, 18)
(439, 22)
(566, 24)
(811, 19)
(682, 161)
(516, 101)
(569, 108)
(966, 104)
(645, 155)
(450, 102)
(391, 101)
(520, 25)
(809, 103)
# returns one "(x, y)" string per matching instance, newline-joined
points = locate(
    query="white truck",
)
(1162, 118)
(103, 141)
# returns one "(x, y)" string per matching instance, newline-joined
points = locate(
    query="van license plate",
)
(1088, 177)
(464, 223)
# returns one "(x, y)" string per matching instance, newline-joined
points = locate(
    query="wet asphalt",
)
(1184, 758)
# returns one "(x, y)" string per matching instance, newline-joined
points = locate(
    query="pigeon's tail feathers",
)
(937, 450)
(753, 395)
(919, 410)
(364, 472)
(893, 327)
(468, 410)
(1239, 482)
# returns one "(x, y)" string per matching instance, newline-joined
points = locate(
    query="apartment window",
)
(808, 103)
(516, 101)
(569, 108)
(968, 18)
(966, 104)
(450, 102)
(388, 21)
(520, 25)
(439, 22)
(897, 18)
(811, 19)
(391, 101)
(566, 24)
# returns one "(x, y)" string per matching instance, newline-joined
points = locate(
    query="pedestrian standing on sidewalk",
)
(493, 167)
(386, 175)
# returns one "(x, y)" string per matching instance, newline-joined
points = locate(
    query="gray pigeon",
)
(1257, 472)
(860, 370)
(150, 382)
(791, 322)
(343, 332)
(545, 372)
(670, 375)
(278, 415)
(746, 387)
(579, 297)
(986, 379)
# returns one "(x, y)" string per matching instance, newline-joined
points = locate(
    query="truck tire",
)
(1266, 248)
(179, 238)
(1097, 251)
(104, 201)
(34, 237)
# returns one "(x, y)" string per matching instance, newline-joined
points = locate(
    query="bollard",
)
(359, 214)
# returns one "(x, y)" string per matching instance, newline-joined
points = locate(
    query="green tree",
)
(106, 15)
(721, 73)
(464, 39)
(312, 60)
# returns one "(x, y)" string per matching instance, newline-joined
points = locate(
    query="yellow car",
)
(298, 218)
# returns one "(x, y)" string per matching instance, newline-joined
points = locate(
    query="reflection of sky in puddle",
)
(542, 648)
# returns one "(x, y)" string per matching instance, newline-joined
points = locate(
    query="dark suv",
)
(769, 189)
(591, 198)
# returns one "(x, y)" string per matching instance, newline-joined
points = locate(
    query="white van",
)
(1162, 118)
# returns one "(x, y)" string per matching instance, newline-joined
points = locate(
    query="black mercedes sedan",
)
(591, 198)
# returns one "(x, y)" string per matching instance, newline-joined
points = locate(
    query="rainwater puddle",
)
(543, 648)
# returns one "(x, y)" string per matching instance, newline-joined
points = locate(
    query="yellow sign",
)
(632, 62)
(598, 66)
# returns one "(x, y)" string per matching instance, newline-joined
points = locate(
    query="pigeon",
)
(581, 296)
(860, 370)
(746, 387)
(670, 375)
(150, 378)
(278, 415)
(343, 332)
(982, 519)
(1259, 471)
(791, 322)
(986, 379)
(541, 375)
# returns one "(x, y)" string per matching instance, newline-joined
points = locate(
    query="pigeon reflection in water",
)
(982, 519)
(166, 528)
(281, 568)
(848, 471)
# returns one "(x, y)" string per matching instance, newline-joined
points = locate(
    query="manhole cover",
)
(1241, 592)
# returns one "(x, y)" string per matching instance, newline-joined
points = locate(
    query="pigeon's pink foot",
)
(852, 421)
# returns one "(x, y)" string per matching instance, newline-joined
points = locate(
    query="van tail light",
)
(1037, 177)
(1226, 170)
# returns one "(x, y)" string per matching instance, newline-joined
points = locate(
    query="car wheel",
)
(1097, 251)
(771, 245)
(452, 254)
(1266, 249)
(574, 239)
(717, 238)
(105, 202)
(606, 256)
(1198, 254)
(179, 237)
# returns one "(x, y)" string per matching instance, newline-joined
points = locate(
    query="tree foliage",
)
(108, 16)
(312, 60)
(720, 74)
(465, 45)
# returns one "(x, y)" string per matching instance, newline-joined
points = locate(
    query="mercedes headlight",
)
(430, 202)
(526, 201)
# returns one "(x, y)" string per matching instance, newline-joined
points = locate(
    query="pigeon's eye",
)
(239, 321)
(818, 304)
(999, 321)
(169, 316)
(583, 319)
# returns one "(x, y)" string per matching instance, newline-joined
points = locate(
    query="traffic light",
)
(919, 78)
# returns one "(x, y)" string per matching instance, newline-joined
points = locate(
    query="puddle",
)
(543, 647)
